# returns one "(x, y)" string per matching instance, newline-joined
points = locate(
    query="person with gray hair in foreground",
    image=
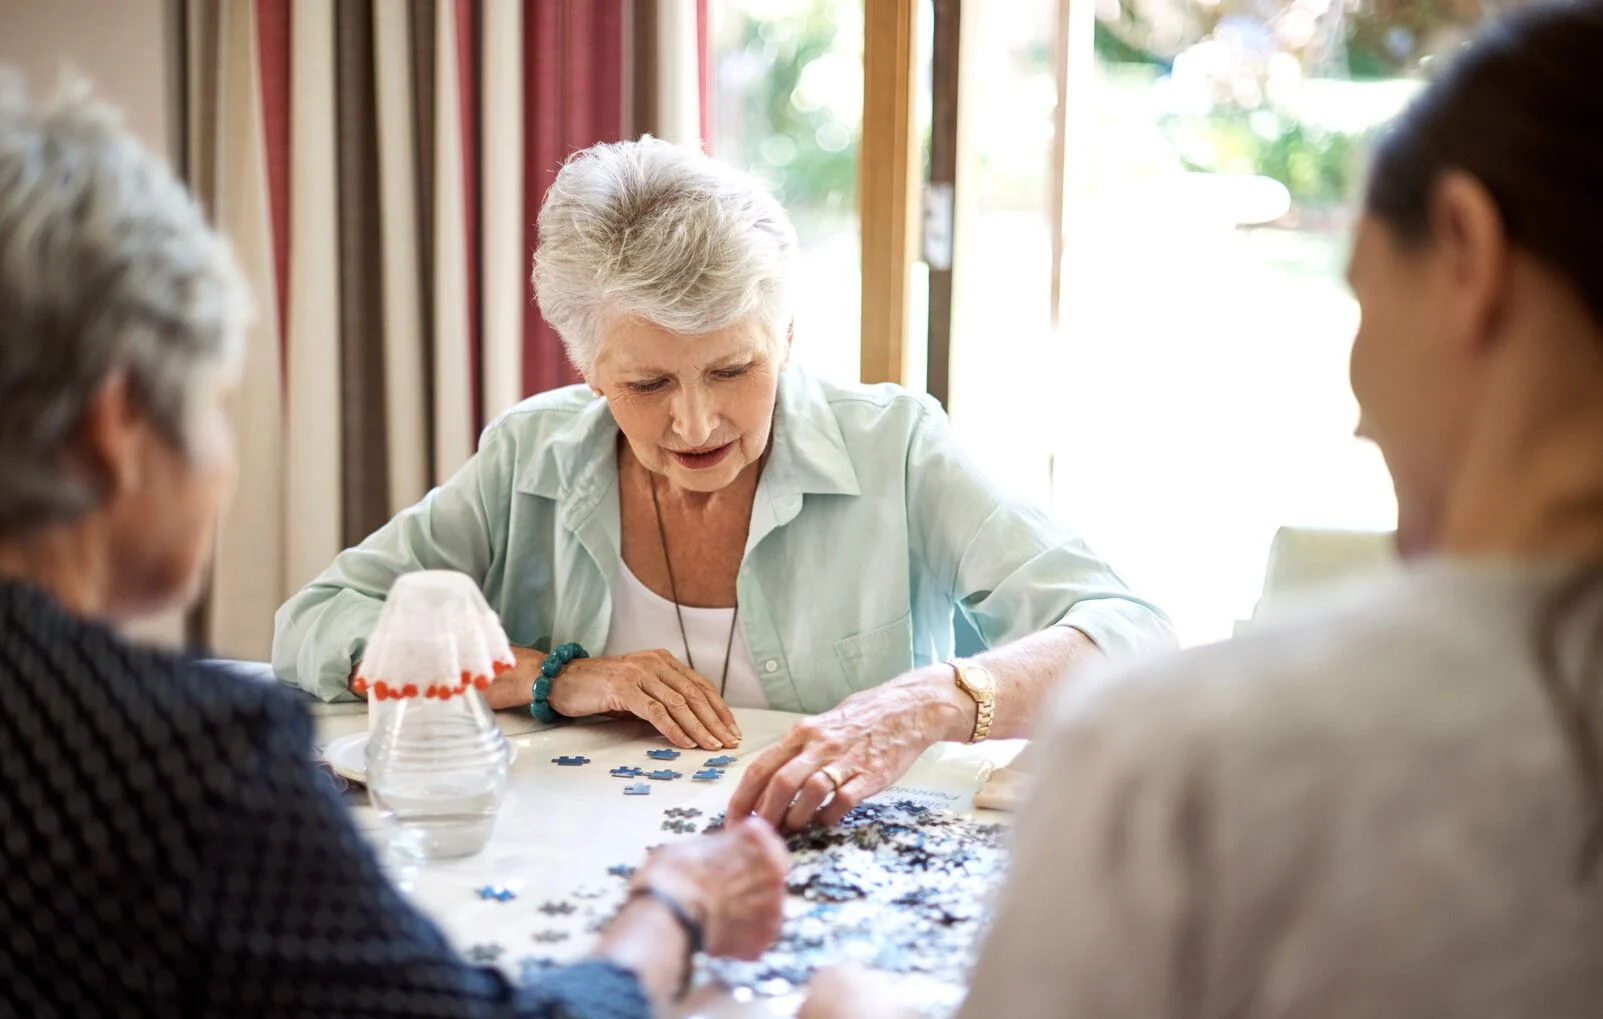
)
(699, 525)
(167, 845)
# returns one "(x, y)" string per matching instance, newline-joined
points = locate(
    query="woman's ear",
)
(110, 436)
(1471, 240)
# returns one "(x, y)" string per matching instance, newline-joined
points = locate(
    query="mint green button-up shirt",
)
(870, 529)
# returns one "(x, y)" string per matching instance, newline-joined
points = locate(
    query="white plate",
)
(348, 756)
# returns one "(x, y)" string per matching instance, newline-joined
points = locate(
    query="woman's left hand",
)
(852, 751)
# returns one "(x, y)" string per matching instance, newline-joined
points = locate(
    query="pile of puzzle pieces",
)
(897, 886)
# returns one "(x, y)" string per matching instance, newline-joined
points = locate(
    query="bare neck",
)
(1530, 479)
(67, 562)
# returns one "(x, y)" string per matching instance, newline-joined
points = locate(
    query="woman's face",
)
(165, 505)
(696, 409)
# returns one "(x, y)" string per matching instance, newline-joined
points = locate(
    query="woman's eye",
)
(731, 373)
(648, 387)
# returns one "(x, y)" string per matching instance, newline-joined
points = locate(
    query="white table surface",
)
(560, 828)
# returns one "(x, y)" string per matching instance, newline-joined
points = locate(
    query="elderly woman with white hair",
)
(700, 525)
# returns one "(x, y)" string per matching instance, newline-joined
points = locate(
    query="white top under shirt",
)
(643, 620)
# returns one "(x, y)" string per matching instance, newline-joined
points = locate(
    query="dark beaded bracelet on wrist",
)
(540, 694)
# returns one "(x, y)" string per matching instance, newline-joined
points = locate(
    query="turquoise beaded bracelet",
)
(540, 695)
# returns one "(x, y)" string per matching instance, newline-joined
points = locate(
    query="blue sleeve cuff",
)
(591, 990)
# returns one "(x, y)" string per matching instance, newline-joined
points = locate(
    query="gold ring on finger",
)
(831, 772)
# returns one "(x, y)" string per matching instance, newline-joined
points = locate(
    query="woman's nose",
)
(695, 416)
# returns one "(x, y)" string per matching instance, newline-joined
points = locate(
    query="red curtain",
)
(573, 98)
(272, 41)
(704, 78)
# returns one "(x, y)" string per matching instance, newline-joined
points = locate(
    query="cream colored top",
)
(1364, 811)
(643, 620)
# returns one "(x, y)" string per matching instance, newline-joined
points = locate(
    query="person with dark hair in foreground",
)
(1393, 805)
(166, 846)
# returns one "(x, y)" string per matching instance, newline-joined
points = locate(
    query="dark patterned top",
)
(167, 848)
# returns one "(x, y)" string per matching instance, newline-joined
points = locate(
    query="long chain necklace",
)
(673, 588)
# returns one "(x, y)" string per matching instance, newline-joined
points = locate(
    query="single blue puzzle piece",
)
(664, 775)
(489, 892)
(723, 761)
(665, 754)
(621, 870)
(638, 789)
(570, 762)
(626, 772)
(707, 775)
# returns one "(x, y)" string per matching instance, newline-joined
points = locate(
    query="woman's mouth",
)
(701, 459)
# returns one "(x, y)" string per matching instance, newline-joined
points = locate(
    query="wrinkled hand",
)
(733, 883)
(846, 992)
(682, 704)
(866, 743)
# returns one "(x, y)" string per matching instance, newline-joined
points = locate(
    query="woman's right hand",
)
(732, 883)
(682, 704)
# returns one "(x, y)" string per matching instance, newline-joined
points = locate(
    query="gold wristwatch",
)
(978, 683)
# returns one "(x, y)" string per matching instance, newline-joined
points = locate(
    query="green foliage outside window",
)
(790, 84)
(792, 132)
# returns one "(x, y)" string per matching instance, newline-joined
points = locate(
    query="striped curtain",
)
(378, 165)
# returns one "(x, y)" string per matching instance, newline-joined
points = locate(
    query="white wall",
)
(127, 48)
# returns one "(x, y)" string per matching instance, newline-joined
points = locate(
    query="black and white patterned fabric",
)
(168, 849)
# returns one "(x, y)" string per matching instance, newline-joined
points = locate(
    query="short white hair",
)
(106, 265)
(662, 233)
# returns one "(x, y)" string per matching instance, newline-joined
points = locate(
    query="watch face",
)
(979, 681)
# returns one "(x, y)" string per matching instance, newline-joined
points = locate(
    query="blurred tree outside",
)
(790, 99)
(1259, 86)
(787, 102)
(1235, 76)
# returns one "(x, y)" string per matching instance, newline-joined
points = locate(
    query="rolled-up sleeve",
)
(321, 632)
(1010, 568)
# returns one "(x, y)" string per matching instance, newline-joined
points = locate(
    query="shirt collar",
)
(808, 454)
(577, 465)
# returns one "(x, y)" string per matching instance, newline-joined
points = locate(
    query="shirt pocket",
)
(874, 656)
